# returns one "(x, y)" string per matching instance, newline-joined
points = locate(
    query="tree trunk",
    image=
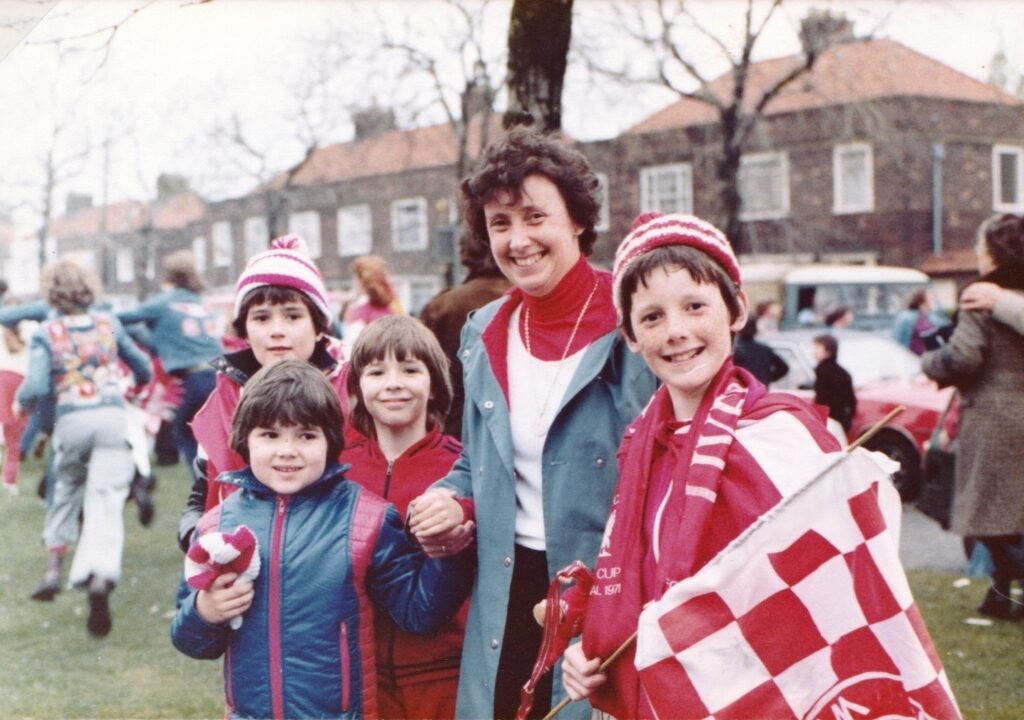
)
(538, 47)
(728, 175)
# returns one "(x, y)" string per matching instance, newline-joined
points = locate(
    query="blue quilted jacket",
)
(305, 647)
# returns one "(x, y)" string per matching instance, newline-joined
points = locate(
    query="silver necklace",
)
(539, 427)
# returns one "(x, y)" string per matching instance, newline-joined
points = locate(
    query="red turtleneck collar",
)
(552, 318)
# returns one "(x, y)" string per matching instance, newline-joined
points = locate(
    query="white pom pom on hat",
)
(652, 230)
(286, 264)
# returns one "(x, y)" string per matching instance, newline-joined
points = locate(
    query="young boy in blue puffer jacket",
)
(327, 549)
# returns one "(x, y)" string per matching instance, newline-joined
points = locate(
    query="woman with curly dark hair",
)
(550, 386)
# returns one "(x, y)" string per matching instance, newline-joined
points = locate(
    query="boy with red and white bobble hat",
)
(281, 310)
(687, 560)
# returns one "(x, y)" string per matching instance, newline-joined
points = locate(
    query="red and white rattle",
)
(216, 553)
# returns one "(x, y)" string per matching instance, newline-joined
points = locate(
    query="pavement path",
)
(925, 545)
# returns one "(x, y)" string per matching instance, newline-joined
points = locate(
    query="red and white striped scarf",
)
(717, 490)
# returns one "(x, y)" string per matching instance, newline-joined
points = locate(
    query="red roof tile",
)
(847, 73)
(178, 211)
(128, 216)
(119, 217)
(395, 151)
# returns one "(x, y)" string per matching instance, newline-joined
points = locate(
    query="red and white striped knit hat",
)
(286, 263)
(653, 230)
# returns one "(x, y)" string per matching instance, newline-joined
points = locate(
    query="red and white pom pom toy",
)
(216, 553)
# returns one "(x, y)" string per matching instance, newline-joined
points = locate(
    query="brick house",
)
(854, 160)
(122, 242)
(392, 194)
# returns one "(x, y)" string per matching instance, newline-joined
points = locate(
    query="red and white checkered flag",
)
(807, 615)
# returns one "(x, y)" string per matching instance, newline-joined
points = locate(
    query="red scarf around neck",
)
(553, 317)
(717, 490)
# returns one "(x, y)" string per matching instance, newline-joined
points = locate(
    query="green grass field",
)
(50, 667)
(53, 668)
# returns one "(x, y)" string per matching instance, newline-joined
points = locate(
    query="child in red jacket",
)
(400, 391)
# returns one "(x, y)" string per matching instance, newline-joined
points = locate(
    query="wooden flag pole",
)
(868, 434)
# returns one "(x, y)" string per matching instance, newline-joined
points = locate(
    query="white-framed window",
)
(603, 222)
(307, 226)
(223, 247)
(1008, 178)
(257, 235)
(199, 253)
(414, 291)
(409, 224)
(667, 188)
(764, 186)
(124, 265)
(355, 230)
(853, 179)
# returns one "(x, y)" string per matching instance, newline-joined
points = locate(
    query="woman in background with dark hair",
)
(984, 359)
(920, 326)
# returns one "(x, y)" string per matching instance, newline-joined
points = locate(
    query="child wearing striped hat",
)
(706, 552)
(281, 311)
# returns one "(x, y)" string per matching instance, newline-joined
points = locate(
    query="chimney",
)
(373, 121)
(76, 202)
(169, 185)
(478, 97)
(820, 30)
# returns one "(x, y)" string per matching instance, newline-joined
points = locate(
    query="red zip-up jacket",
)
(404, 658)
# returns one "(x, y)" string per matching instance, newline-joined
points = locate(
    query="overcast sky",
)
(177, 62)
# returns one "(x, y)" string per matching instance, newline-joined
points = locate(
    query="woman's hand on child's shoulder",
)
(224, 600)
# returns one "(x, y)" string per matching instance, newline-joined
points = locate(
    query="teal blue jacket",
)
(609, 389)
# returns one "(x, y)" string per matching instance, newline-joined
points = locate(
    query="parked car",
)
(885, 375)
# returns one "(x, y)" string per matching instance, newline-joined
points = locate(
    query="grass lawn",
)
(50, 667)
(983, 662)
(53, 668)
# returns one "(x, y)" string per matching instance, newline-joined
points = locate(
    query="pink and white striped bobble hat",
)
(653, 230)
(286, 263)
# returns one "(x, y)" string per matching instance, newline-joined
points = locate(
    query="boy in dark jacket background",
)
(327, 548)
(833, 386)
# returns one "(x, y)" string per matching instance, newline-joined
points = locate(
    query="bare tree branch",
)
(671, 45)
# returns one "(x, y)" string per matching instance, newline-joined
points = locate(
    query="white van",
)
(808, 292)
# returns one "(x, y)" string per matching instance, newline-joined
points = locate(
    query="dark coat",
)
(833, 388)
(985, 361)
(762, 362)
(445, 315)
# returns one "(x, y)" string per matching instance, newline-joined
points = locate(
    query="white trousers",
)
(93, 469)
